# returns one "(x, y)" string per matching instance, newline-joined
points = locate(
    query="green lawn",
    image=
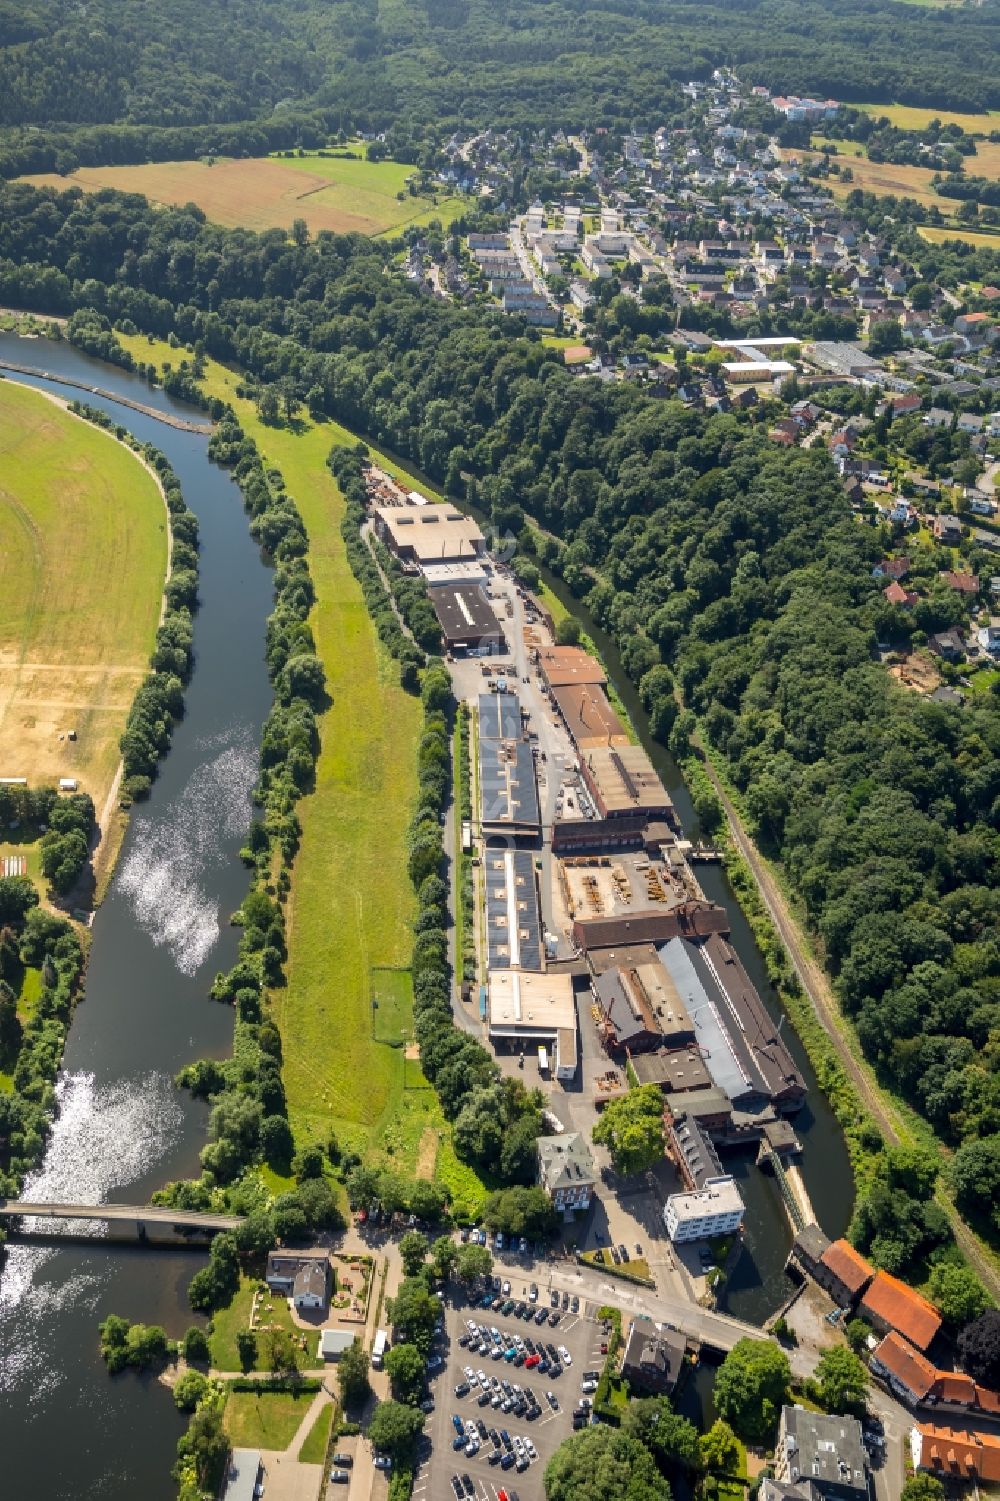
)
(265, 1420)
(313, 1450)
(228, 1322)
(351, 904)
(370, 188)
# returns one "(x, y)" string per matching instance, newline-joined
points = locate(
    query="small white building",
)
(716, 1209)
(334, 1342)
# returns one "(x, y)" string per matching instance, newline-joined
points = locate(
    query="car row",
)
(500, 1395)
(507, 1452)
(515, 1349)
(509, 1307)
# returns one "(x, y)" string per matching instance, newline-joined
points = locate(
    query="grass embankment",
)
(351, 904)
(265, 1420)
(316, 1441)
(83, 538)
(333, 193)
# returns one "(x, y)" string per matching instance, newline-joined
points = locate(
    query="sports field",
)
(334, 193)
(83, 545)
(351, 904)
(914, 117)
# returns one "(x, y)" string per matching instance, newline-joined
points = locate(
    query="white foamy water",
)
(164, 873)
(102, 1139)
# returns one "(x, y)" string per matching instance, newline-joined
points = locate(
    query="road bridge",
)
(145, 1223)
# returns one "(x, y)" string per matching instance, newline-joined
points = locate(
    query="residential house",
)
(962, 583)
(653, 1357)
(947, 529)
(821, 1454)
(957, 1454)
(304, 1276)
(566, 1171)
(947, 644)
(918, 1382)
(891, 568)
(895, 594)
(938, 417)
(889, 1304)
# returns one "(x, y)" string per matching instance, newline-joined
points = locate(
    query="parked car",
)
(382, 1462)
(343, 1461)
(462, 1389)
(588, 1386)
(340, 1477)
(552, 1400)
(533, 1292)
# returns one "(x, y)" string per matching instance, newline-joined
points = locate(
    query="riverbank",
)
(350, 908)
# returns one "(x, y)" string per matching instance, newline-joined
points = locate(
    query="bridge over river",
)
(145, 1223)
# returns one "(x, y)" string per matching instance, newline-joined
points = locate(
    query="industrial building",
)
(508, 791)
(626, 1000)
(716, 1209)
(622, 781)
(737, 1035)
(562, 666)
(428, 533)
(532, 1007)
(630, 898)
(588, 716)
(468, 623)
(513, 921)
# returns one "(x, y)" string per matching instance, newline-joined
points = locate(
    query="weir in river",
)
(67, 1430)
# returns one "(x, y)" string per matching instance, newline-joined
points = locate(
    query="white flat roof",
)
(768, 343)
(528, 1003)
(759, 367)
(719, 1196)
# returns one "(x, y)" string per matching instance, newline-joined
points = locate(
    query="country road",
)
(817, 987)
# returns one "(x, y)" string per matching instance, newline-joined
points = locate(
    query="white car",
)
(470, 1375)
(506, 1289)
(565, 1356)
(532, 1451)
(483, 1378)
(588, 1386)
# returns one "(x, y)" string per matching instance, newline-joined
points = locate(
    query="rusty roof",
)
(901, 1308)
(908, 1366)
(848, 1265)
(963, 1453)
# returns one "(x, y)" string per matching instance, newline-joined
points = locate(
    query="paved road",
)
(149, 1213)
(820, 992)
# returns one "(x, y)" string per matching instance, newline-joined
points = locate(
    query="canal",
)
(757, 1284)
(66, 1428)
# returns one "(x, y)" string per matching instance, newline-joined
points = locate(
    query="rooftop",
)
(528, 1003)
(563, 665)
(825, 1448)
(957, 1452)
(589, 717)
(431, 533)
(622, 779)
(513, 922)
(899, 1307)
(242, 1474)
(564, 1162)
(848, 1265)
(717, 1196)
(464, 612)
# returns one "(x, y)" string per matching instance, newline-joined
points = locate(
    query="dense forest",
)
(575, 63)
(718, 562)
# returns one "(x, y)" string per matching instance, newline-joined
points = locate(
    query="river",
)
(67, 1430)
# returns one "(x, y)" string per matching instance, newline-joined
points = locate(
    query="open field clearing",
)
(882, 178)
(914, 117)
(83, 539)
(351, 904)
(270, 192)
(986, 162)
(937, 236)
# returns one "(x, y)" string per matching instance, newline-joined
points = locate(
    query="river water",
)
(66, 1428)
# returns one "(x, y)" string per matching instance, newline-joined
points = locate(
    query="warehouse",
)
(621, 780)
(588, 716)
(467, 619)
(508, 793)
(429, 534)
(513, 922)
(564, 665)
(535, 1008)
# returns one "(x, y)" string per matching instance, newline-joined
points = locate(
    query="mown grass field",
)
(332, 193)
(915, 117)
(265, 1420)
(83, 544)
(227, 1323)
(351, 904)
(881, 178)
(313, 1450)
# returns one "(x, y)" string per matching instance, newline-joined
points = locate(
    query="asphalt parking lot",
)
(579, 1333)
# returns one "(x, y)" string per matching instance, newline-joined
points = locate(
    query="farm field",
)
(882, 178)
(986, 162)
(937, 236)
(75, 632)
(915, 117)
(351, 904)
(332, 193)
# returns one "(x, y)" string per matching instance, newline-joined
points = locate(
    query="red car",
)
(604, 1349)
(502, 1496)
(531, 1362)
